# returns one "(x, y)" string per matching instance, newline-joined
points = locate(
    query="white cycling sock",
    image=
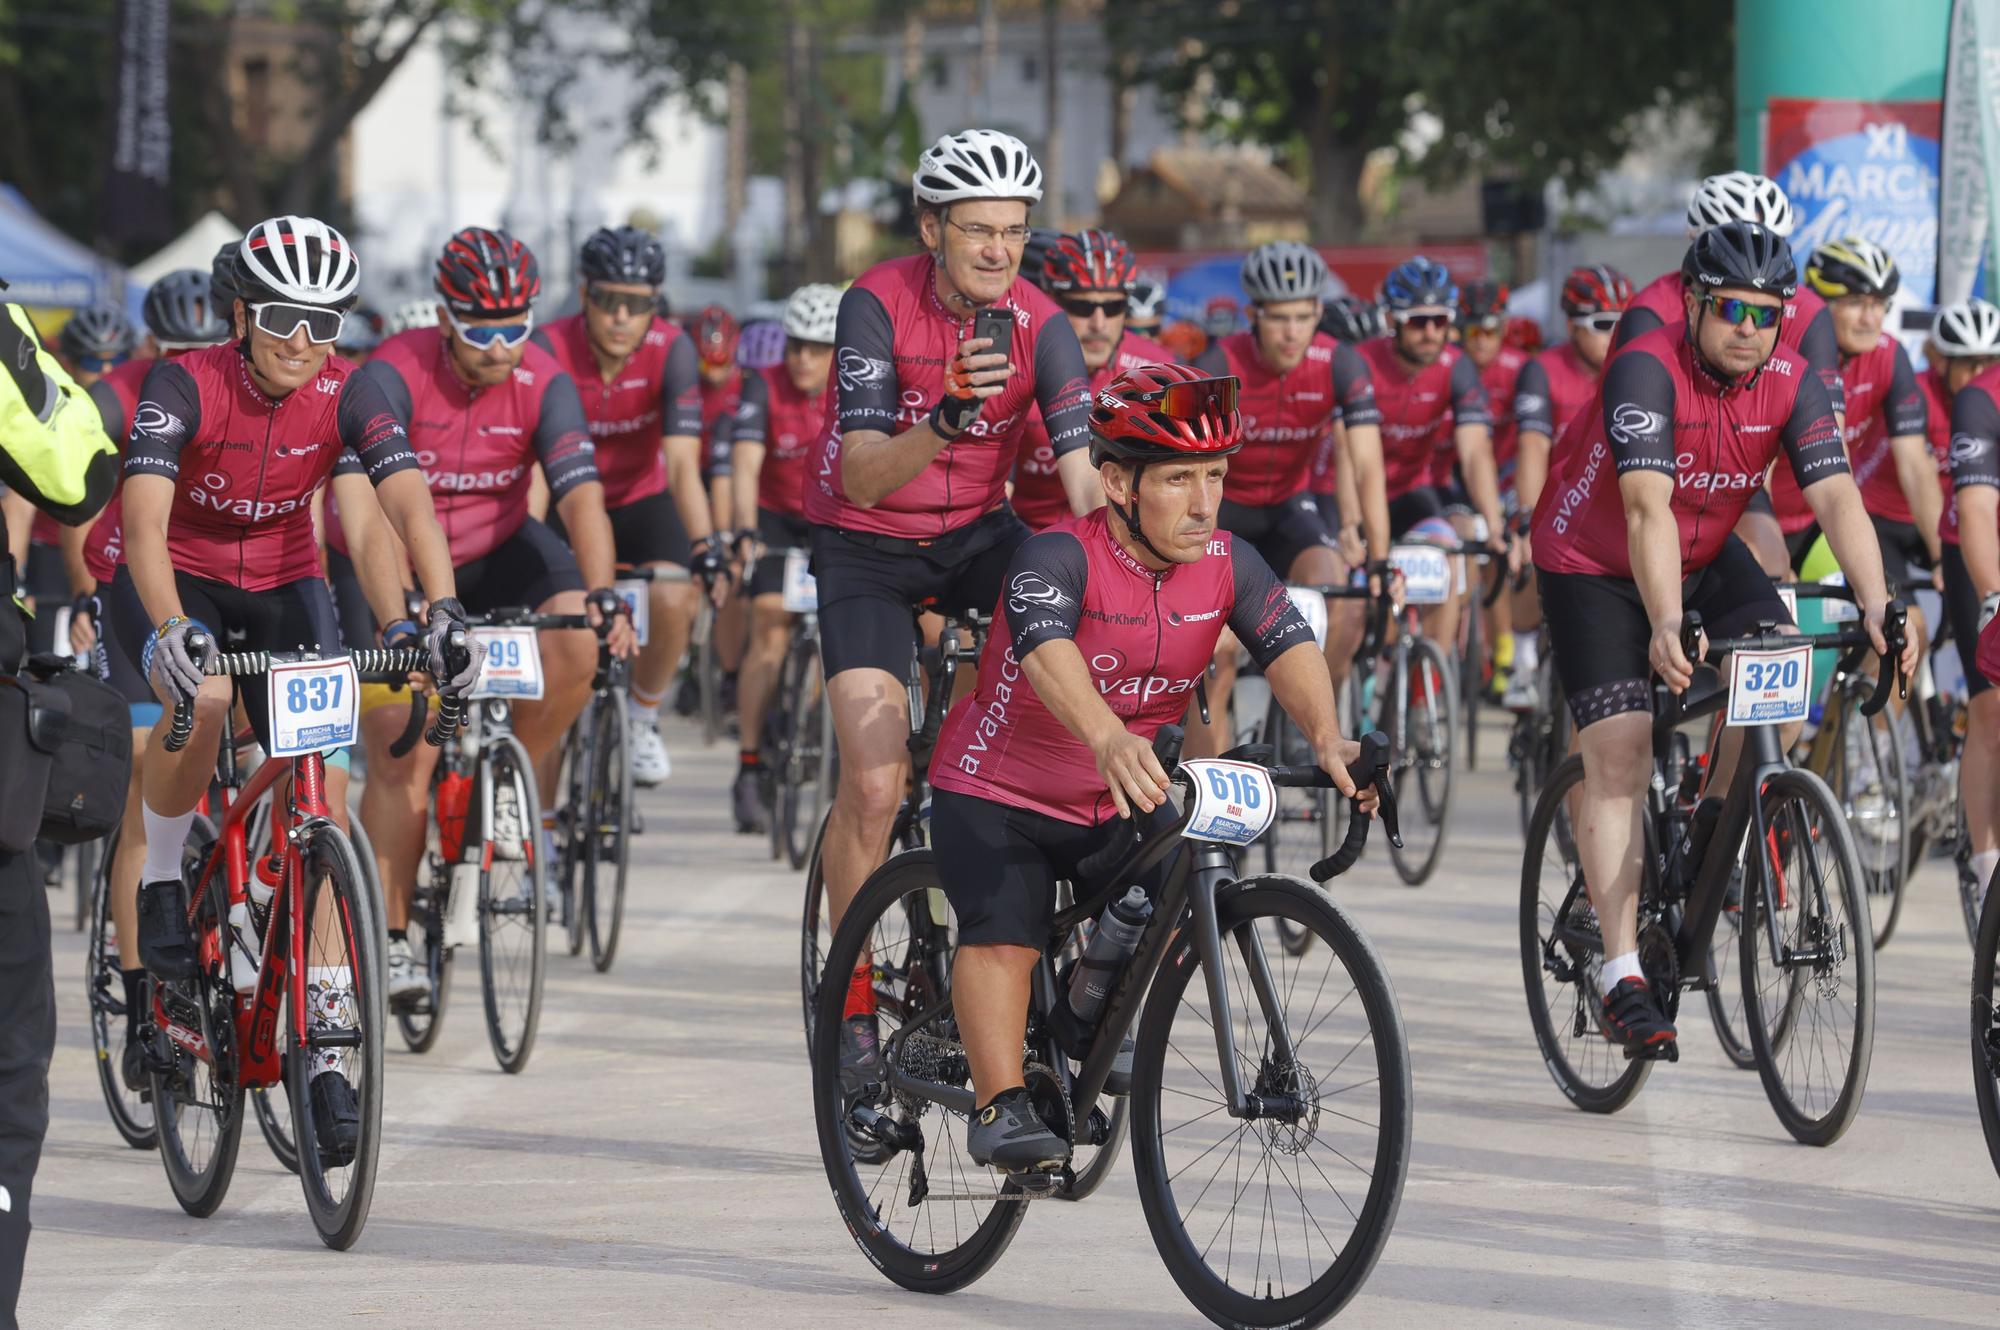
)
(164, 837)
(646, 713)
(329, 1005)
(1527, 648)
(1983, 863)
(1620, 968)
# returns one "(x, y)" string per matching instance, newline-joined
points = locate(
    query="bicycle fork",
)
(1212, 872)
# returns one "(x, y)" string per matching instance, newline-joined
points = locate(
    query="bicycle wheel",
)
(1424, 700)
(607, 828)
(930, 1219)
(274, 1118)
(421, 1021)
(1866, 774)
(346, 1025)
(83, 860)
(574, 823)
(512, 941)
(1304, 830)
(1986, 1024)
(815, 937)
(1326, 1184)
(709, 676)
(198, 1101)
(1472, 668)
(104, 986)
(808, 766)
(1818, 989)
(1559, 965)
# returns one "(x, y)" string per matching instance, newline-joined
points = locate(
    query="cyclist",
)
(637, 377)
(770, 479)
(1553, 390)
(1482, 331)
(94, 342)
(1111, 620)
(1088, 274)
(1961, 389)
(1147, 309)
(728, 413)
(219, 539)
(360, 334)
(1634, 528)
(484, 407)
(907, 491)
(1297, 382)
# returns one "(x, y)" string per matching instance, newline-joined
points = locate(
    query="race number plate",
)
(801, 592)
(513, 665)
(1834, 610)
(1769, 687)
(312, 705)
(638, 603)
(1312, 608)
(1233, 801)
(1426, 572)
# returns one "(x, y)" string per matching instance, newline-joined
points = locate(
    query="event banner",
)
(1970, 148)
(135, 185)
(1861, 168)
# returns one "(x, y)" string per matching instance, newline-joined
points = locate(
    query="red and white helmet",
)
(1159, 413)
(1088, 261)
(300, 260)
(977, 164)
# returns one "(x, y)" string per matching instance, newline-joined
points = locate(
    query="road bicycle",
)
(798, 748)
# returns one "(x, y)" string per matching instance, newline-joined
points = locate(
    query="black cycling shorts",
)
(298, 616)
(1406, 510)
(523, 570)
(1760, 502)
(1280, 532)
(999, 865)
(357, 619)
(1799, 543)
(644, 531)
(1905, 558)
(1961, 610)
(779, 532)
(46, 582)
(870, 587)
(115, 665)
(1599, 630)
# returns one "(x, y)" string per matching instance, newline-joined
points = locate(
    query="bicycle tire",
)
(1422, 773)
(1600, 1084)
(816, 935)
(709, 677)
(1877, 809)
(183, 1110)
(104, 989)
(85, 856)
(512, 1017)
(780, 725)
(607, 829)
(574, 820)
(1726, 1012)
(339, 1207)
(862, 1208)
(1986, 1024)
(1806, 791)
(1303, 831)
(266, 1106)
(421, 1024)
(1471, 666)
(1211, 1285)
(808, 769)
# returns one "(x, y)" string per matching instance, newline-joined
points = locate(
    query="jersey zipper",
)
(263, 468)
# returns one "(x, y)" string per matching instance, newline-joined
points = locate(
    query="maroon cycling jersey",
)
(1288, 418)
(1552, 389)
(117, 397)
(1420, 410)
(730, 410)
(1660, 410)
(793, 423)
(1975, 442)
(1807, 327)
(653, 394)
(1039, 496)
(1146, 638)
(1501, 378)
(479, 446)
(1881, 391)
(893, 342)
(245, 466)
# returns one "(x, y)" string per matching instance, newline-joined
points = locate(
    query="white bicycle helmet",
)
(411, 314)
(1966, 328)
(297, 259)
(977, 164)
(811, 312)
(1739, 196)
(1283, 270)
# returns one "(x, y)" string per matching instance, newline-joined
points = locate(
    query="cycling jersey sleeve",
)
(1532, 408)
(864, 364)
(1354, 387)
(168, 414)
(1975, 438)
(562, 439)
(1043, 598)
(1212, 360)
(1904, 410)
(680, 390)
(753, 413)
(1822, 352)
(372, 431)
(1639, 413)
(1633, 324)
(1812, 441)
(109, 408)
(1263, 617)
(1468, 394)
(1062, 386)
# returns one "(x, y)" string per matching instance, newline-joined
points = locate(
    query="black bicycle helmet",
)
(222, 278)
(180, 312)
(1034, 254)
(1745, 255)
(98, 333)
(1349, 318)
(626, 254)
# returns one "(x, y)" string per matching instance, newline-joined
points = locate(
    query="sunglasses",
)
(1082, 308)
(1732, 310)
(1423, 320)
(624, 302)
(483, 335)
(1491, 326)
(1604, 321)
(1197, 397)
(281, 321)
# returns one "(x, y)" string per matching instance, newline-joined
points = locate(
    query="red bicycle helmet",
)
(1088, 261)
(1482, 300)
(486, 274)
(1595, 289)
(715, 335)
(1159, 413)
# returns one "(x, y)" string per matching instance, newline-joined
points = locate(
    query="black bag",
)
(92, 766)
(33, 720)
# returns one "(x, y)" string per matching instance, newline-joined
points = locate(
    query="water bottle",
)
(246, 948)
(461, 922)
(1111, 943)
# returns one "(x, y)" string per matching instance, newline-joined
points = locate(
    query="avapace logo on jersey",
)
(1688, 476)
(463, 482)
(995, 718)
(1125, 693)
(209, 491)
(1569, 504)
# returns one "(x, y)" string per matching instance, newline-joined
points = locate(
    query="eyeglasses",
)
(1490, 326)
(1415, 320)
(634, 303)
(483, 335)
(1732, 310)
(1083, 307)
(981, 234)
(1195, 398)
(322, 325)
(1604, 321)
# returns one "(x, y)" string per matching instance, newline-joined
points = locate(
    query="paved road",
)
(656, 1165)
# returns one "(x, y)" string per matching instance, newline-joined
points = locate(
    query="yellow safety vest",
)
(53, 447)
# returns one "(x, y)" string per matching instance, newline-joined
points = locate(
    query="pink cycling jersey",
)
(1288, 418)
(1807, 328)
(1501, 378)
(653, 394)
(793, 423)
(1039, 496)
(894, 341)
(1975, 443)
(117, 397)
(1552, 389)
(1880, 389)
(1420, 409)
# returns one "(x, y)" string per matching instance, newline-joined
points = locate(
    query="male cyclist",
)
(637, 377)
(219, 540)
(770, 477)
(1110, 619)
(1482, 334)
(732, 411)
(907, 490)
(1148, 309)
(1633, 530)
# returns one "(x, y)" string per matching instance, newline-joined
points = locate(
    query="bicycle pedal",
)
(1036, 1182)
(1667, 1051)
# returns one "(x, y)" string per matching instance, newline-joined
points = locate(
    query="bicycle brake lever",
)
(1391, 824)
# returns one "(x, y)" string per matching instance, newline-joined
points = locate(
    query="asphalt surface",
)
(656, 1164)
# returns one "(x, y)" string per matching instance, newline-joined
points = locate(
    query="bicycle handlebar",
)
(1895, 636)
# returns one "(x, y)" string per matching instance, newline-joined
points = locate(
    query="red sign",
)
(1362, 267)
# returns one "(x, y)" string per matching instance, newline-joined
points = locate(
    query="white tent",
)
(193, 248)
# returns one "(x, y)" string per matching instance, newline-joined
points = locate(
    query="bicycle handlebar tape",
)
(181, 729)
(1370, 768)
(451, 709)
(1691, 635)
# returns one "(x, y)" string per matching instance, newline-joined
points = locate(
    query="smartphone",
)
(997, 324)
